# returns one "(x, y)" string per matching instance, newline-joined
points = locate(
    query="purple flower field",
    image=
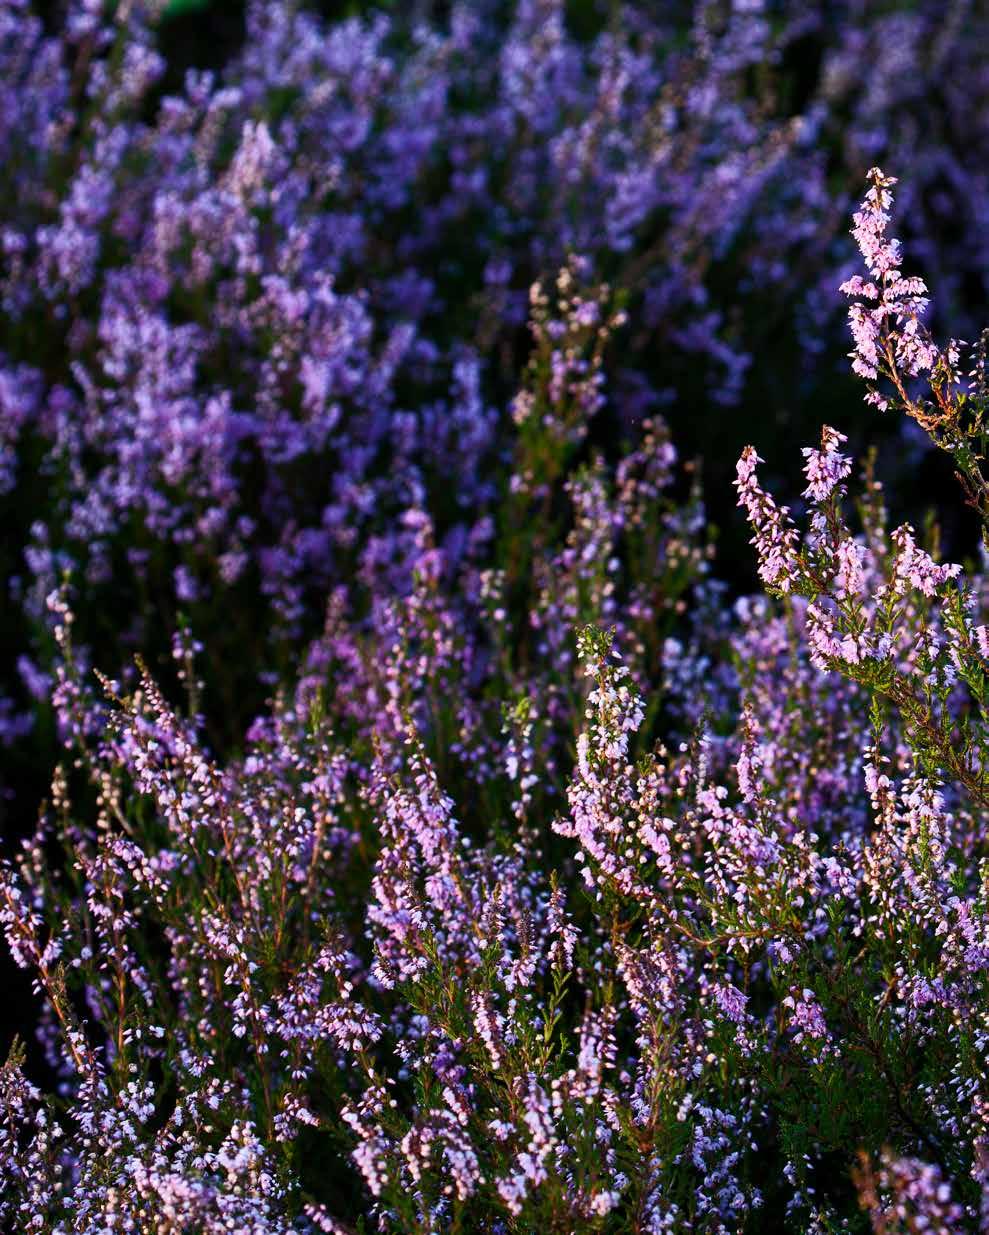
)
(494, 714)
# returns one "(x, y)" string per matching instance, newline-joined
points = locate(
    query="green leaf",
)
(177, 7)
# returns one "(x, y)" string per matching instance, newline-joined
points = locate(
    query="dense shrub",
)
(435, 841)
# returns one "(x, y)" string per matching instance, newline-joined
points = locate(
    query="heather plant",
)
(458, 852)
(250, 318)
(606, 1010)
(909, 629)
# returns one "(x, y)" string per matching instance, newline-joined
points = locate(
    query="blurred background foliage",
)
(780, 408)
(787, 391)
